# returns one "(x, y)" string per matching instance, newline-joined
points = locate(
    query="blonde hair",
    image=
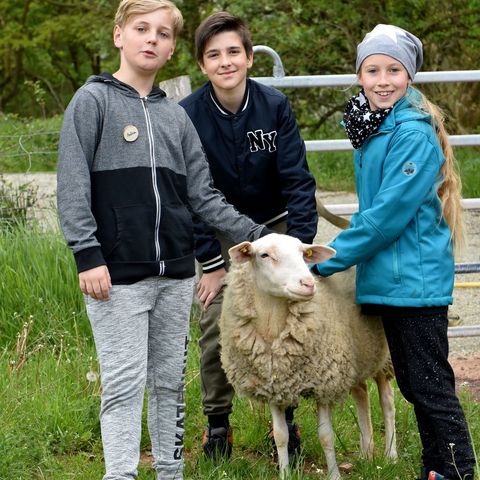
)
(450, 187)
(129, 8)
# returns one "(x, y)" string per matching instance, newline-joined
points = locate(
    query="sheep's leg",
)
(362, 400)
(280, 434)
(385, 392)
(327, 440)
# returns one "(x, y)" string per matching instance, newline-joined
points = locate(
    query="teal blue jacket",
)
(398, 239)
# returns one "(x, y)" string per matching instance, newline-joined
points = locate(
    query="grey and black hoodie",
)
(131, 173)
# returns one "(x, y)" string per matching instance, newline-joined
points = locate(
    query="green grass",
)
(28, 144)
(469, 167)
(49, 409)
(333, 171)
(37, 282)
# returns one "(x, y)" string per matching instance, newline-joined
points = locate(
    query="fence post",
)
(177, 88)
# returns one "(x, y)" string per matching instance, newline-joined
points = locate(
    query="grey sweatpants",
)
(141, 336)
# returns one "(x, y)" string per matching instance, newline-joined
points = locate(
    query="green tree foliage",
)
(315, 37)
(49, 47)
(54, 45)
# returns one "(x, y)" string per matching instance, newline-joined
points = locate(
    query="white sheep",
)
(285, 335)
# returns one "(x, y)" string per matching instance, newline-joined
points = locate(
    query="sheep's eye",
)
(264, 255)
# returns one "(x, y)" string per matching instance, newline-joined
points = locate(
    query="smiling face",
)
(146, 42)
(225, 62)
(384, 80)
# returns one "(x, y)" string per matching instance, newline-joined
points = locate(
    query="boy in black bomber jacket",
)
(131, 172)
(258, 160)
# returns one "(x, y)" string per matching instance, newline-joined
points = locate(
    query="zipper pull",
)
(361, 152)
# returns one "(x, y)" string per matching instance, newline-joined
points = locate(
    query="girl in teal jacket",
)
(403, 237)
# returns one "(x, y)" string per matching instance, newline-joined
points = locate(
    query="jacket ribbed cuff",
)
(213, 264)
(89, 258)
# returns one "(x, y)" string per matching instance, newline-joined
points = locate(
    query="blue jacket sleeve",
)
(298, 184)
(393, 207)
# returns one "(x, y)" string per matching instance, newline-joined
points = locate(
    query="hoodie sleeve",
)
(78, 139)
(206, 202)
(411, 170)
(208, 250)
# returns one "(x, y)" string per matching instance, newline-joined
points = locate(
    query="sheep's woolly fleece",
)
(325, 347)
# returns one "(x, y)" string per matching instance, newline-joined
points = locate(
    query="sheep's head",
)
(279, 264)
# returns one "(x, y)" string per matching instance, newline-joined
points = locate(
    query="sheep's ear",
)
(241, 253)
(317, 253)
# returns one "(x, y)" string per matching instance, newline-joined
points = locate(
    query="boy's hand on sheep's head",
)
(209, 285)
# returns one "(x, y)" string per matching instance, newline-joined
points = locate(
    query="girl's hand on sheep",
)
(209, 285)
(96, 282)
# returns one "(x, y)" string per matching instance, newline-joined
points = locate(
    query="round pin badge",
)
(130, 133)
(409, 168)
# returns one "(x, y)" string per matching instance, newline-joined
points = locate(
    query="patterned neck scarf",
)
(361, 122)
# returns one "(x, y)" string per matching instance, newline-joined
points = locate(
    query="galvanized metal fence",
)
(280, 80)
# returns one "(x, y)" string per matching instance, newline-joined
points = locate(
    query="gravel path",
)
(466, 300)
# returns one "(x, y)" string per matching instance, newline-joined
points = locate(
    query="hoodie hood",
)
(126, 89)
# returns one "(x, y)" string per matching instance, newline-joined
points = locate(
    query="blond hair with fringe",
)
(450, 187)
(128, 8)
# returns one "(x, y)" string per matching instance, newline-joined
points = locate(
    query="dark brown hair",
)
(218, 23)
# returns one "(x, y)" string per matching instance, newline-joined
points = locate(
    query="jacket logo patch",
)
(261, 141)
(130, 133)
(409, 168)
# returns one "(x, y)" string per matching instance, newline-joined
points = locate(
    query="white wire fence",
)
(23, 145)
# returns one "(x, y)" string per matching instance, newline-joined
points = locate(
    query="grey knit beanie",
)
(394, 42)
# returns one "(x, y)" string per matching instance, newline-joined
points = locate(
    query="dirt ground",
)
(467, 374)
(465, 352)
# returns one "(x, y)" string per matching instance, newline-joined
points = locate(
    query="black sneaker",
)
(294, 444)
(217, 443)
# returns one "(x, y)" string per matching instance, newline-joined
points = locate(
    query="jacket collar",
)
(406, 109)
(221, 109)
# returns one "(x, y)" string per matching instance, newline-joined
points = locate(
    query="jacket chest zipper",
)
(156, 193)
(360, 162)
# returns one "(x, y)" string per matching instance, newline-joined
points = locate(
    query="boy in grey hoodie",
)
(131, 173)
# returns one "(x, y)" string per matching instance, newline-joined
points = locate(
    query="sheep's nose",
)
(308, 284)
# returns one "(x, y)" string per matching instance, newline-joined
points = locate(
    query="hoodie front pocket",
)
(135, 239)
